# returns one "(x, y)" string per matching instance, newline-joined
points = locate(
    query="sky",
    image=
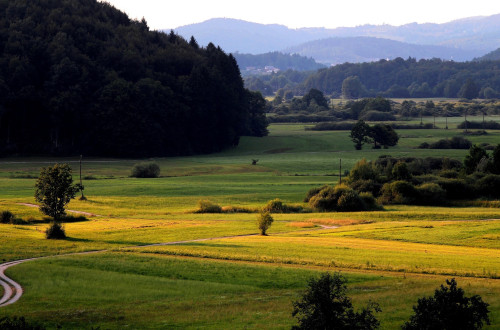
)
(170, 14)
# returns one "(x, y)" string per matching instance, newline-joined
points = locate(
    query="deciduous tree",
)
(325, 305)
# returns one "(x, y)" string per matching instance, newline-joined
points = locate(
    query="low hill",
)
(491, 56)
(81, 77)
(369, 49)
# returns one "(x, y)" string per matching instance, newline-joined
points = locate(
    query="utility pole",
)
(82, 198)
(340, 172)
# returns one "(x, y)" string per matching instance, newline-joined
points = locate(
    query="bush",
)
(479, 125)
(264, 221)
(431, 194)
(370, 186)
(398, 192)
(55, 231)
(374, 115)
(341, 198)
(457, 189)
(363, 170)
(146, 170)
(369, 201)
(449, 174)
(349, 201)
(18, 323)
(277, 206)
(456, 142)
(489, 186)
(312, 192)
(6, 217)
(205, 206)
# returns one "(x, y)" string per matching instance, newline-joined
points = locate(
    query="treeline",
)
(396, 78)
(79, 76)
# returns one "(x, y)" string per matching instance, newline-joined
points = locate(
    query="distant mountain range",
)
(369, 49)
(460, 40)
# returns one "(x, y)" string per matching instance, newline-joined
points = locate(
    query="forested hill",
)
(395, 78)
(79, 76)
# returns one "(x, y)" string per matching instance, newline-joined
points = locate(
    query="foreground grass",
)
(117, 290)
(240, 282)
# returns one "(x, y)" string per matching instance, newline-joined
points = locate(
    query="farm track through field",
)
(13, 290)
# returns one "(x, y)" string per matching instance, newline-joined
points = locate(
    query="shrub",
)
(370, 186)
(323, 200)
(479, 125)
(449, 174)
(277, 206)
(369, 201)
(312, 192)
(349, 201)
(341, 198)
(398, 192)
(146, 170)
(6, 217)
(374, 115)
(363, 170)
(205, 206)
(400, 171)
(431, 194)
(489, 186)
(18, 323)
(264, 221)
(456, 142)
(55, 231)
(457, 189)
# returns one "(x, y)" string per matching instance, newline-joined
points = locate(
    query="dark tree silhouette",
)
(325, 305)
(449, 309)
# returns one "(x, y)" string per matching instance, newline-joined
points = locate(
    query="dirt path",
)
(72, 211)
(13, 290)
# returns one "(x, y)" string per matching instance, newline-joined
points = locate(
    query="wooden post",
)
(340, 172)
(82, 198)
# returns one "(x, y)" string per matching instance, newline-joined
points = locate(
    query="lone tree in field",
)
(264, 221)
(449, 309)
(54, 190)
(325, 305)
(359, 134)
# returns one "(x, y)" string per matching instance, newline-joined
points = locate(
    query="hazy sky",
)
(167, 14)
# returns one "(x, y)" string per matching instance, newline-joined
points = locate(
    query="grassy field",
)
(392, 257)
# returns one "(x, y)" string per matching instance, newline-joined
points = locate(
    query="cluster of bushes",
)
(456, 142)
(146, 170)
(273, 206)
(428, 181)
(493, 125)
(299, 118)
(347, 126)
(340, 198)
(10, 218)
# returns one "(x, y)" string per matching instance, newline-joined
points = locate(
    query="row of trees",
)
(397, 78)
(79, 76)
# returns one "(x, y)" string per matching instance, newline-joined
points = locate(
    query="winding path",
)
(13, 290)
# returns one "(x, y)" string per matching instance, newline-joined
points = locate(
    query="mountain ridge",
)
(477, 34)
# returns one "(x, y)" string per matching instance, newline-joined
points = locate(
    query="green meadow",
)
(219, 273)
